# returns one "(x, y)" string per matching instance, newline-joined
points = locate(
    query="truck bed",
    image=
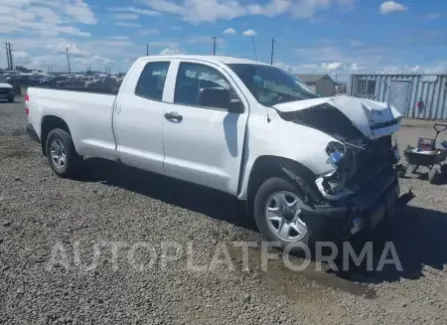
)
(88, 114)
(95, 90)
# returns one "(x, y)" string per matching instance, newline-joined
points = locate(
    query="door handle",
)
(173, 117)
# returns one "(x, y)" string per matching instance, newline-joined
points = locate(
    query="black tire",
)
(11, 100)
(72, 159)
(269, 187)
(432, 175)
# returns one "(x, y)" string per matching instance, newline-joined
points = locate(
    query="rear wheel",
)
(11, 99)
(61, 154)
(277, 211)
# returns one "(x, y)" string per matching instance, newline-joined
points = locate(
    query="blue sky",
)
(335, 36)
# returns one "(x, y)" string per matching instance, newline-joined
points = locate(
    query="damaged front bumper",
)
(365, 210)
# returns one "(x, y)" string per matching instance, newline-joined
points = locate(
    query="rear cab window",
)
(152, 80)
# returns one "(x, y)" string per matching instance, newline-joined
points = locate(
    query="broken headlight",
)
(333, 184)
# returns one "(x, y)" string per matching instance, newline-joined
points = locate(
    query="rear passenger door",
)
(138, 116)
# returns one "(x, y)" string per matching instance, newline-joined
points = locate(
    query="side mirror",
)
(219, 97)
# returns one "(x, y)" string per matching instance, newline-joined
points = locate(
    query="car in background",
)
(7, 92)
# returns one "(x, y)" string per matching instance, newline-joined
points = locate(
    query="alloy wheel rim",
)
(58, 154)
(282, 212)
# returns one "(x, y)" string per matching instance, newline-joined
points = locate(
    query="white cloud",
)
(341, 61)
(134, 10)
(119, 38)
(59, 63)
(164, 44)
(176, 28)
(98, 60)
(125, 16)
(331, 66)
(148, 31)
(195, 11)
(324, 67)
(438, 68)
(433, 16)
(169, 51)
(79, 11)
(127, 24)
(274, 8)
(391, 6)
(205, 40)
(22, 58)
(229, 31)
(44, 17)
(249, 32)
(73, 50)
(309, 8)
(356, 43)
(51, 51)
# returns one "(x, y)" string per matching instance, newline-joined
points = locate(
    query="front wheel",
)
(61, 153)
(11, 100)
(277, 212)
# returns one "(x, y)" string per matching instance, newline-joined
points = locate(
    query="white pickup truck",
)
(308, 167)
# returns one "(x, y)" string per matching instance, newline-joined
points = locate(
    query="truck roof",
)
(207, 58)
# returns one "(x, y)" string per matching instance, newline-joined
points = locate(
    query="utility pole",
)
(214, 45)
(11, 57)
(273, 51)
(147, 49)
(68, 60)
(7, 55)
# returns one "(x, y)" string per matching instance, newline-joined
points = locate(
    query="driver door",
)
(203, 144)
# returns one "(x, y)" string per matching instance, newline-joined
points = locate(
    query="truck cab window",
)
(152, 80)
(193, 79)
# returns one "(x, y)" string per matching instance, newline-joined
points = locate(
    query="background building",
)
(419, 96)
(322, 84)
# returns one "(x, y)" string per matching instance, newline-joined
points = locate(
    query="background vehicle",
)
(308, 167)
(7, 92)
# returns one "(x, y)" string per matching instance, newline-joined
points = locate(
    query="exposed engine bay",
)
(356, 160)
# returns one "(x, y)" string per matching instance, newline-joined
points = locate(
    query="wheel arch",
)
(269, 166)
(51, 122)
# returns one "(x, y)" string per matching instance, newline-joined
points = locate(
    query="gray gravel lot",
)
(41, 215)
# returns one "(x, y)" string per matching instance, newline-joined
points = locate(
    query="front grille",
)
(372, 161)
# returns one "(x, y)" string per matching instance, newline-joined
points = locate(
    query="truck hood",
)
(373, 119)
(5, 85)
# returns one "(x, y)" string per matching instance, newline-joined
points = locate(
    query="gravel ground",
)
(45, 219)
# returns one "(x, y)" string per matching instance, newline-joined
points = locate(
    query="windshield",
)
(271, 85)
